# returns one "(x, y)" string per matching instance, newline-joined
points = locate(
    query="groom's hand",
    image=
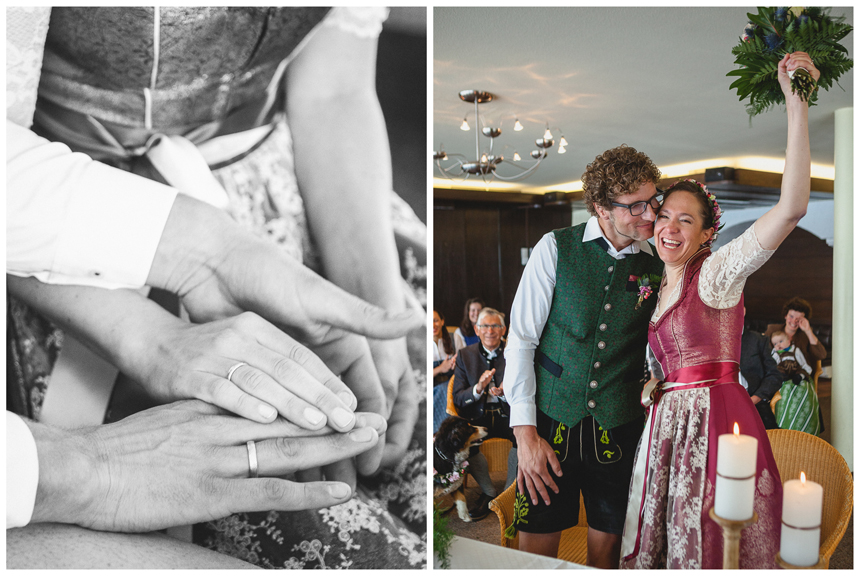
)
(533, 455)
(184, 463)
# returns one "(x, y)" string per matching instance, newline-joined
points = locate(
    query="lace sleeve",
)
(724, 274)
(363, 22)
(26, 29)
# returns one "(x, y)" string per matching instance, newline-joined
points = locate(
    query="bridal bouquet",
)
(773, 32)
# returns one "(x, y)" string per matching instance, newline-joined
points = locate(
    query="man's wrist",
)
(68, 476)
(195, 234)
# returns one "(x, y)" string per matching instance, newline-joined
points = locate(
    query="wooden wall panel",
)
(477, 251)
(802, 266)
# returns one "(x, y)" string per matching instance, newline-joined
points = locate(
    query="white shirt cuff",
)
(22, 472)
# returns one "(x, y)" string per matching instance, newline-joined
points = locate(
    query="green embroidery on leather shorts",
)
(558, 439)
(521, 509)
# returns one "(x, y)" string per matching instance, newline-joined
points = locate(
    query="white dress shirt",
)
(530, 312)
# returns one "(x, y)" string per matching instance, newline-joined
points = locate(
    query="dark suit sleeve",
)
(772, 381)
(462, 392)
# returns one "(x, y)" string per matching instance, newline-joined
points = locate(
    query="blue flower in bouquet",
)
(803, 19)
(773, 40)
(749, 31)
(780, 14)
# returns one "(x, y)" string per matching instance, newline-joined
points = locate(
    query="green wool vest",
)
(594, 335)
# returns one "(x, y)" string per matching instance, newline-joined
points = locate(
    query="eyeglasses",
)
(638, 208)
(490, 326)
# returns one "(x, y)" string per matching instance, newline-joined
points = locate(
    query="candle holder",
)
(822, 564)
(732, 537)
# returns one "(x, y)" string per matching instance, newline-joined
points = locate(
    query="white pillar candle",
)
(736, 467)
(801, 521)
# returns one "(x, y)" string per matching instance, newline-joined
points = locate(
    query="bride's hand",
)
(183, 463)
(275, 374)
(791, 62)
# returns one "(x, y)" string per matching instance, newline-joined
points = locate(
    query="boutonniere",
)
(644, 286)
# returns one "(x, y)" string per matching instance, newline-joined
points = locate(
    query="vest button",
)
(601, 345)
(607, 307)
(606, 288)
(603, 327)
(593, 384)
(610, 269)
(592, 403)
(597, 364)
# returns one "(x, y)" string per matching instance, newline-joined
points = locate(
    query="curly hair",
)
(798, 305)
(616, 172)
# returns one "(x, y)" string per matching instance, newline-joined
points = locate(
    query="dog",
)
(451, 446)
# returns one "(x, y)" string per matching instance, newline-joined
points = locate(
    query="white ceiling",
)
(653, 78)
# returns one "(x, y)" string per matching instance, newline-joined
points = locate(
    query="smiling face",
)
(474, 310)
(438, 323)
(622, 228)
(678, 231)
(792, 321)
(491, 337)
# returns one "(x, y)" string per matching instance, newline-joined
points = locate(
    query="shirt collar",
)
(490, 353)
(594, 231)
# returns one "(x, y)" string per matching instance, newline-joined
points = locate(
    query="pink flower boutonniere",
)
(644, 286)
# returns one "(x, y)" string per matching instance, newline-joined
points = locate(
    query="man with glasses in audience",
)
(480, 398)
(576, 359)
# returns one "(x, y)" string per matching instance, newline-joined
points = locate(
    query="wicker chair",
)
(798, 451)
(574, 541)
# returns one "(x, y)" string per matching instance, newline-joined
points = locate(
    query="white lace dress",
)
(695, 333)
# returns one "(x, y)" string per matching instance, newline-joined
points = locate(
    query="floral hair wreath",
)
(715, 206)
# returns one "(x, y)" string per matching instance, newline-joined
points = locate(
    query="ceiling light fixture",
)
(486, 163)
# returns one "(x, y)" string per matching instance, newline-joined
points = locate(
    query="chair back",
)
(796, 451)
(450, 408)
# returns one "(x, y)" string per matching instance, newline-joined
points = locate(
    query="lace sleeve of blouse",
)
(362, 22)
(26, 30)
(721, 282)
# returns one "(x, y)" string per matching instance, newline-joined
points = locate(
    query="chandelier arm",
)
(477, 129)
(519, 176)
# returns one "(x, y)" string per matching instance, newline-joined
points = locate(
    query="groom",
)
(575, 360)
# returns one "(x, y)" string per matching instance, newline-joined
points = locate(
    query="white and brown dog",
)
(451, 446)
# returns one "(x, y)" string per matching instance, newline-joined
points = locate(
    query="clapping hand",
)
(498, 390)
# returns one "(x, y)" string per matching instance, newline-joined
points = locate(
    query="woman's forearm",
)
(347, 193)
(116, 324)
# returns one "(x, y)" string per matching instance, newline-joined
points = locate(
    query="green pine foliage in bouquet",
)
(774, 32)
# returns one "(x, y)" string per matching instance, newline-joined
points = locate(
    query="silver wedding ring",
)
(232, 369)
(252, 459)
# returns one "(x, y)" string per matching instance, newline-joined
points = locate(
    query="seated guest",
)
(465, 335)
(479, 396)
(444, 357)
(798, 312)
(759, 374)
(798, 409)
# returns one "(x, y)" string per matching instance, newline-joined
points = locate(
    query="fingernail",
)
(267, 412)
(339, 490)
(347, 398)
(342, 417)
(313, 415)
(361, 435)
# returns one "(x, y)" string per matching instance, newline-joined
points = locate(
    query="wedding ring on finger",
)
(233, 368)
(252, 459)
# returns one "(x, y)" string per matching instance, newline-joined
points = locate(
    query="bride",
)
(695, 334)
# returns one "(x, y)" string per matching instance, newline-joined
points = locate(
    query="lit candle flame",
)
(802, 478)
(737, 430)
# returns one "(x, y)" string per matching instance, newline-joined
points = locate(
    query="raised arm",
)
(775, 226)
